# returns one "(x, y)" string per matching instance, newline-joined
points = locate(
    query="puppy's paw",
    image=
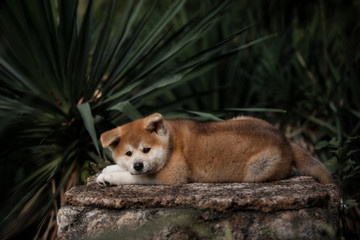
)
(102, 180)
(120, 178)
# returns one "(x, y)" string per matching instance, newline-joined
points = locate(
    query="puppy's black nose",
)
(138, 166)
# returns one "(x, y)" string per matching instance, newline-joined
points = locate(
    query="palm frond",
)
(68, 76)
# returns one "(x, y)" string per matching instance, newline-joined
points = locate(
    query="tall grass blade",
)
(87, 117)
(128, 109)
(206, 116)
(256, 110)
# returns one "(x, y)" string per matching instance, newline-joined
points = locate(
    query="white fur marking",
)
(152, 161)
(112, 169)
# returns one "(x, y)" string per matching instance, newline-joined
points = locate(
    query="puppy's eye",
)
(128, 153)
(146, 150)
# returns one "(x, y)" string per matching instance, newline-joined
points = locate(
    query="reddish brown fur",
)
(240, 150)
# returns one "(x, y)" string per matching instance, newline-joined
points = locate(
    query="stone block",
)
(295, 208)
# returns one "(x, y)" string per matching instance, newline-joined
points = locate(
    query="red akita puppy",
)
(154, 150)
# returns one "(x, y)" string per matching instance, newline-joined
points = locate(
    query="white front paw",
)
(119, 178)
(101, 180)
(111, 179)
(110, 175)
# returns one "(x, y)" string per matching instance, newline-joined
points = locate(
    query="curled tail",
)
(308, 165)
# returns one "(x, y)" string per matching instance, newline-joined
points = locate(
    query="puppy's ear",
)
(155, 123)
(111, 138)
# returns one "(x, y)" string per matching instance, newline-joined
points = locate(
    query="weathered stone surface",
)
(293, 208)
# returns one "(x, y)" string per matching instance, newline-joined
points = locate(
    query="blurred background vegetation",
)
(70, 70)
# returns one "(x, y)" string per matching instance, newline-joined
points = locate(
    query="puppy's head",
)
(140, 147)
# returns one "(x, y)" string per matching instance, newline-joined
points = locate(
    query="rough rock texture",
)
(296, 208)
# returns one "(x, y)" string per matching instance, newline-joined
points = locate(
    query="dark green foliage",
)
(344, 163)
(70, 70)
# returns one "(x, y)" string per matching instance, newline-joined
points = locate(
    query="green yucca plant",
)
(70, 70)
